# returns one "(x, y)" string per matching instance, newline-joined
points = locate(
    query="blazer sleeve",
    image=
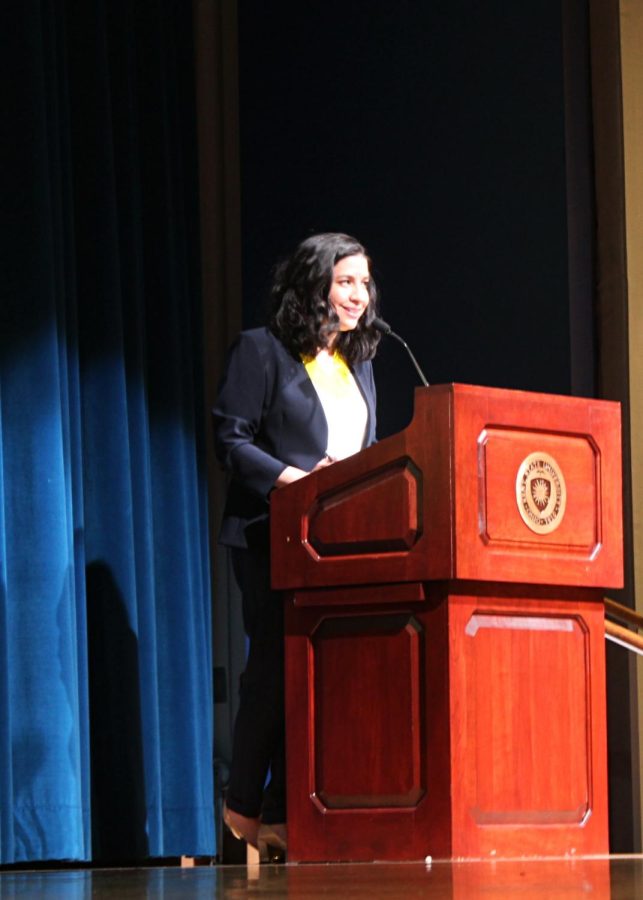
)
(238, 416)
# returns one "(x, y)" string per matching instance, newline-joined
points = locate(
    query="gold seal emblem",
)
(541, 494)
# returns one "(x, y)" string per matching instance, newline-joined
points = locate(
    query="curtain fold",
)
(105, 678)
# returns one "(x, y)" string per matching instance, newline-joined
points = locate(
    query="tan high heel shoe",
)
(276, 835)
(272, 843)
(243, 828)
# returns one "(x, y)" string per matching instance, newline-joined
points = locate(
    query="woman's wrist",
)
(288, 475)
(292, 473)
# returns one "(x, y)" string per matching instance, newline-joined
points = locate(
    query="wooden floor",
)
(590, 879)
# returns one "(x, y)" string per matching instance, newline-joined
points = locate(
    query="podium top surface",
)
(484, 484)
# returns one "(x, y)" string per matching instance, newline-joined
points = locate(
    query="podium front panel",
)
(529, 747)
(366, 713)
(538, 493)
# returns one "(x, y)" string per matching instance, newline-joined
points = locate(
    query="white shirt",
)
(342, 402)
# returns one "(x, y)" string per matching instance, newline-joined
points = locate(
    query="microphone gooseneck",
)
(386, 329)
(381, 325)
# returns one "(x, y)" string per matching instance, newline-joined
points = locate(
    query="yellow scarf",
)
(334, 377)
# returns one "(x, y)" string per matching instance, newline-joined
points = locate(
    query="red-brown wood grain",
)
(445, 663)
(494, 431)
(461, 727)
(368, 736)
(529, 761)
(438, 500)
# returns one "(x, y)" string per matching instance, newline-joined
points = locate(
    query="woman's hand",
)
(292, 473)
(326, 460)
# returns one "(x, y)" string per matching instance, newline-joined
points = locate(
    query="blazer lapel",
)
(300, 382)
(364, 384)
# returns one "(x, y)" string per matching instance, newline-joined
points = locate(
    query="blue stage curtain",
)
(105, 634)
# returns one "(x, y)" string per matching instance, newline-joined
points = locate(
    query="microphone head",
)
(381, 325)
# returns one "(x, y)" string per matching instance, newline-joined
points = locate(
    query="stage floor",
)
(616, 877)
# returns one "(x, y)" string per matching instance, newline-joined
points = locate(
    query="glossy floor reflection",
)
(618, 878)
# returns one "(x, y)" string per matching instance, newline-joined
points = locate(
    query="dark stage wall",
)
(436, 134)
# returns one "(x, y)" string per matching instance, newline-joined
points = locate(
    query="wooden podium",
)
(445, 664)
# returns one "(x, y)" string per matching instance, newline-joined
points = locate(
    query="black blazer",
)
(268, 416)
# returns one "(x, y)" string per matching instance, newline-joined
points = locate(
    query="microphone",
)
(385, 329)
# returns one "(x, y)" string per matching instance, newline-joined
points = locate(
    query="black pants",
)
(259, 732)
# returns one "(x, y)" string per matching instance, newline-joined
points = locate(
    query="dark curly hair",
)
(301, 315)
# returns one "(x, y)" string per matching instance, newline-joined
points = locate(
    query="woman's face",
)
(349, 290)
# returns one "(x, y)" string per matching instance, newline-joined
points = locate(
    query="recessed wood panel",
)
(501, 452)
(368, 749)
(496, 432)
(528, 688)
(381, 513)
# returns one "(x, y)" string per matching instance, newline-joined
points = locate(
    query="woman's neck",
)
(332, 343)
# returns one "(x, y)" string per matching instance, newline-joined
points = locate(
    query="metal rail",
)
(620, 635)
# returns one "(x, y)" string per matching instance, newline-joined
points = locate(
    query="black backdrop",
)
(436, 134)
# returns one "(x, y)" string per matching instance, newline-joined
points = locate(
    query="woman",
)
(295, 397)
